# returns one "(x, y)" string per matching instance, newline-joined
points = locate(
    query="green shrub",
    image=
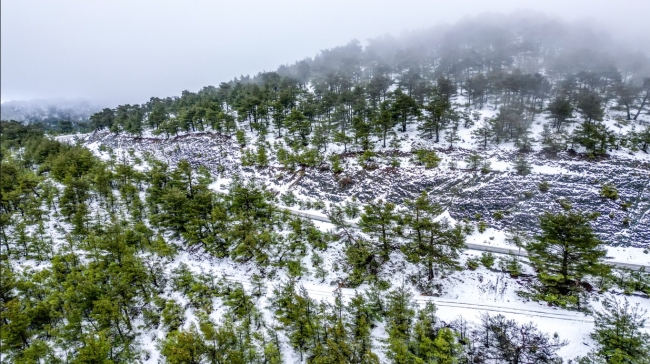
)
(482, 226)
(240, 135)
(486, 167)
(544, 186)
(487, 259)
(336, 164)
(511, 265)
(311, 157)
(288, 198)
(473, 263)
(366, 160)
(394, 162)
(521, 166)
(428, 158)
(608, 191)
(474, 161)
(566, 204)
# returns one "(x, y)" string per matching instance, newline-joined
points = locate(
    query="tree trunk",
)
(642, 104)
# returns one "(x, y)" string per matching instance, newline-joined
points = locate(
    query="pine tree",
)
(521, 166)
(400, 312)
(432, 344)
(552, 142)
(589, 104)
(378, 221)
(183, 347)
(483, 133)
(436, 118)
(561, 110)
(451, 135)
(434, 245)
(595, 137)
(564, 254)
(361, 323)
(474, 161)
(618, 332)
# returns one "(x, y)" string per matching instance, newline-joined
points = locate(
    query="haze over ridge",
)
(125, 52)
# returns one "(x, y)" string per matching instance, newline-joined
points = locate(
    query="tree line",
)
(87, 246)
(363, 98)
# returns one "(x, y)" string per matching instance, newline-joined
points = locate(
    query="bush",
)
(428, 158)
(474, 161)
(288, 198)
(511, 265)
(240, 135)
(486, 167)
(521, 166)
(609, 191)
(472, 263)
(309, 158)
(544, 186)
(482, 226)
(487, 259)
(394, 162)
(566, 204)
(366, 160)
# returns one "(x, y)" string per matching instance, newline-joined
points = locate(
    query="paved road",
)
(478, 247)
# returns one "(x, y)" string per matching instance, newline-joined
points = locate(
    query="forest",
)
(115, 255)
(363, 97)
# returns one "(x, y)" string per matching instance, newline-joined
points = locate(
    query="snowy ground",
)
(467, 294)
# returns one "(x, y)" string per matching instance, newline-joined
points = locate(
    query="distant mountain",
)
(48, 111)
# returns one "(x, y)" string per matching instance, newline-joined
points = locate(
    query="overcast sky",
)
(127, 51)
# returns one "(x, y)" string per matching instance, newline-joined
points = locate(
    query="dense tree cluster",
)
(361, 98)
(87, 246)
(93, 252)
(56, 116)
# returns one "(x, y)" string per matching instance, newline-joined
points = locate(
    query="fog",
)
(125, 51)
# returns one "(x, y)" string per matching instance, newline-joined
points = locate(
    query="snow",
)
(629, 255)
(491, 236)
(466, 294)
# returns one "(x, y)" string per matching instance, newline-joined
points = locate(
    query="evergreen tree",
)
(618, 332)
(432, 344)
(436, 118)
(433, 244)
(183, 347)
(404, 108)
(484, 133)
(589, 104)
(378, 220)
(595, 137)
(564, 254)
(521, 166)
(561, 110)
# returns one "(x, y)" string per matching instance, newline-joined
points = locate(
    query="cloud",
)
(126, 51)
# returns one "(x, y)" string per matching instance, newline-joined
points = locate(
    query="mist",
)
(126, 52)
